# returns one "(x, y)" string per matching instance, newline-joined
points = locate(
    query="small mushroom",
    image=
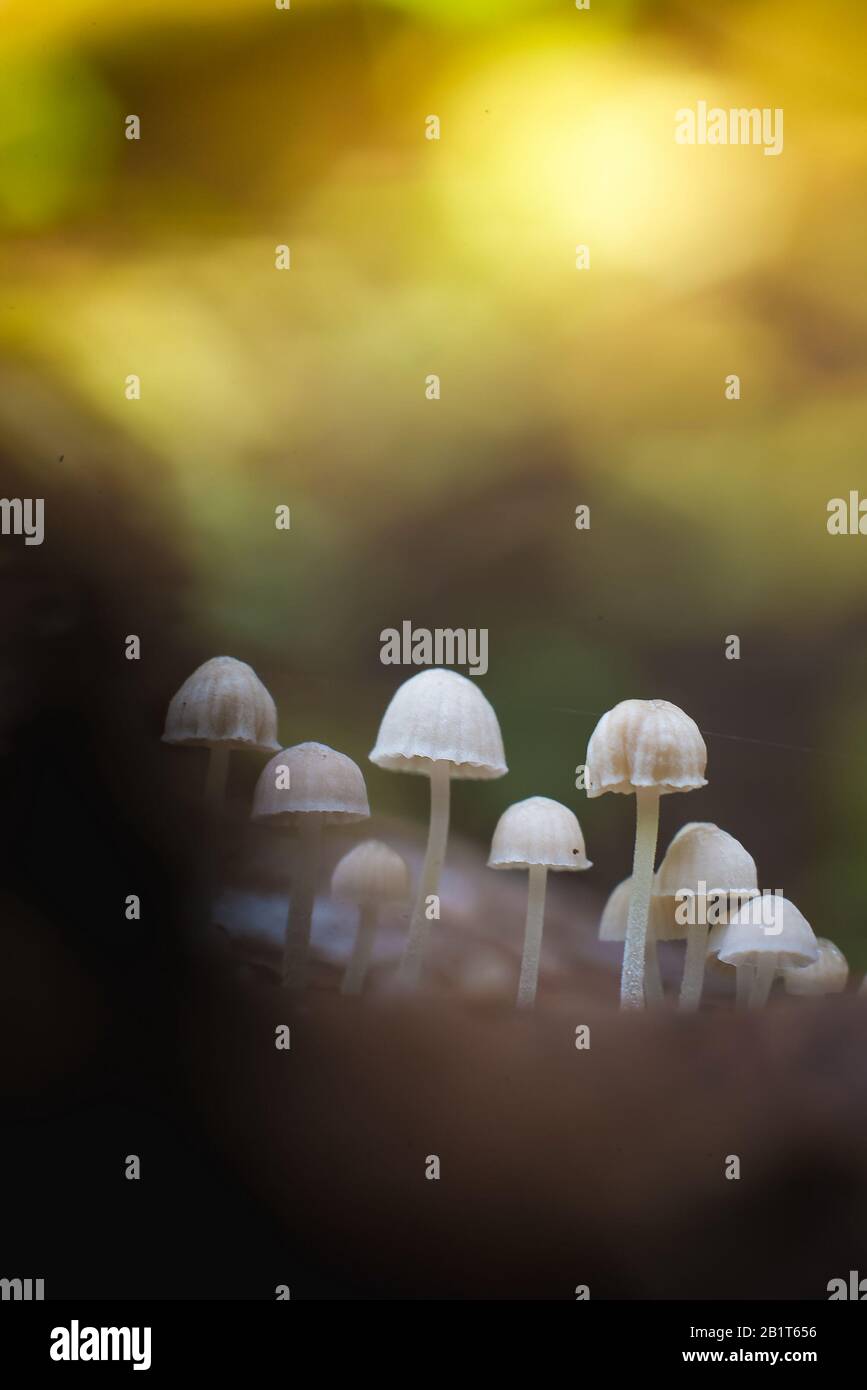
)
(371, 876)
(612, 927)
(306, 788)
(645, 748)
(707, 863)
(221, 706)
(537, 834)
(440, 725)
(827, 975)
(762, 942)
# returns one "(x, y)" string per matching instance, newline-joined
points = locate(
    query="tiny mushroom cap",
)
(827, 975)
(223, 703)
(612, 923)
(371, 873)
(645, 743)
(701, 853)
(440, 716)
(751, 935)
(322, 782)
(538, 833)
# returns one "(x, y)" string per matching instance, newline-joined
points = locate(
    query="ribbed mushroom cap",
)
(702, 853)
(223, 703)
(645, 743)
(744, 940)
(322, 782)
(371, 873)
(612, 923)
(827, 975)
(439, 716)
(538, 833)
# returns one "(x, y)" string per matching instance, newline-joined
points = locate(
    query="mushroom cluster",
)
(439, 725)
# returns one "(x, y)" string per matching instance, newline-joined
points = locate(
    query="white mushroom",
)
(440, 725)
(646, 748)
(537, 835)
(372, 876)
(702, 863)
(766, 935)
(306, 788)
(221, 706)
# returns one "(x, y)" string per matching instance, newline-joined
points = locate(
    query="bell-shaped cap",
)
(538, 833)
(701, 853)
(223, 703)
(827, 975)
(440, 716)
(768, 925)
(645, 743)
(371, 873)
(321, 782)
(615, 913)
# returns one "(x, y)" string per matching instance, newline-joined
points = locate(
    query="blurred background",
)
(410, 257)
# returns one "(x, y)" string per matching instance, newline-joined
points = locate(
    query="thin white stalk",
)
(438, 833)
(215, 780)
(653, 990)
(646, 828)
(765, 974)
(300, 918)
(693, 967)
(745, 975)
(532, 937)
(362, 950)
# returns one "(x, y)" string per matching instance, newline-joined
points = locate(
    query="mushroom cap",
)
(612, 923)
(322, 782)
(223, 703)
(827, 975)
(645, 743)
(702, 853)
(746, 940)
(440, 716)
(371, 873)
(538, 833)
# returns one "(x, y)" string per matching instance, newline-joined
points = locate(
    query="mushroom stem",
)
(764, 978)
(300, 918)
(215, 781)
(532, 937)
(744, 976)
(438, 830)
(693, 967)
(652, 978)
(356, 970)
(646, 828)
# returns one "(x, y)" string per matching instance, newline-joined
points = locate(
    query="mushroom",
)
(760, 948)
(705, 862)
(645, 747)
(827, 975)
(537, 834)
(612, 927)
(221, 706)
(370, 875)
(306, 788)
(438, 724)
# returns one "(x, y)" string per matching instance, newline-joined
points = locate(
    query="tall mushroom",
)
(537, 834)
(702, 863)
(371, 876)
(612, 927)
(645, 748)
(765, 942)
(438, 724)
(827, 975)
(221, 706)
(306, 788)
